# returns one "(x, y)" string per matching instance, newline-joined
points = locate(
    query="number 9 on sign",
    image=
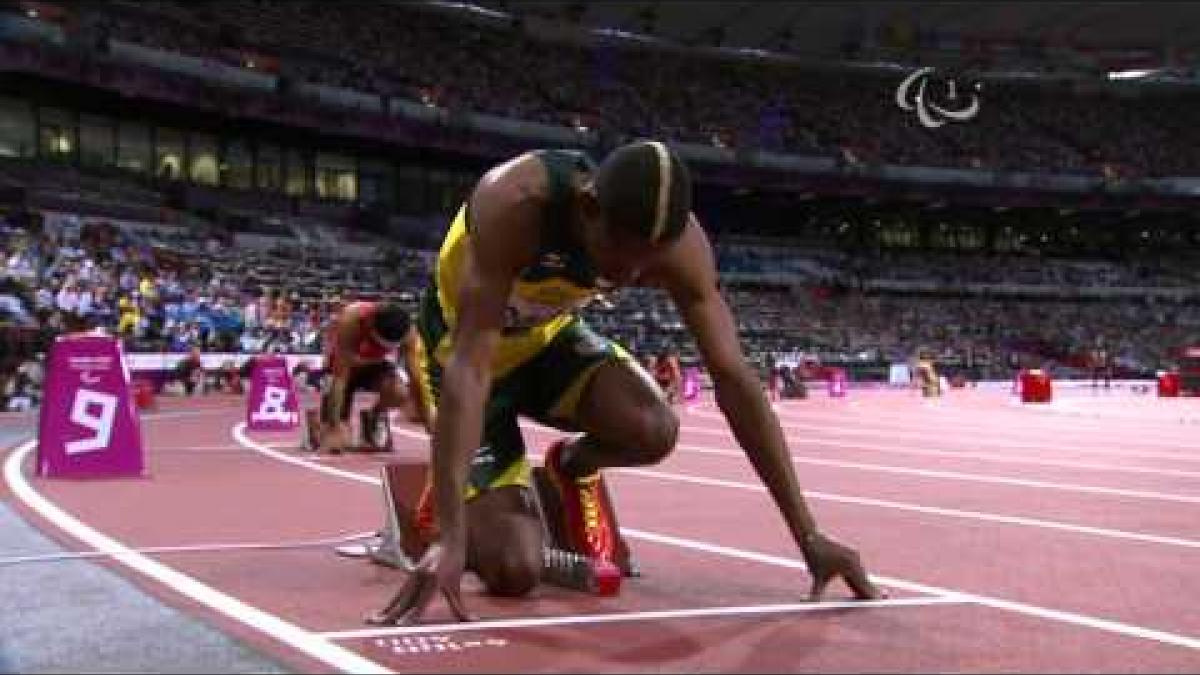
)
(101, 424)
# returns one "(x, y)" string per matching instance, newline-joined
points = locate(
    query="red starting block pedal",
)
(580, 573)
(556, 526)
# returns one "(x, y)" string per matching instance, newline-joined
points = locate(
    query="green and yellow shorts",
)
(546, 387)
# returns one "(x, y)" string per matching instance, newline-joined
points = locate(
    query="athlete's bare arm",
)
(347, 334)
(505, 212)
(688, 272)
(411, 353)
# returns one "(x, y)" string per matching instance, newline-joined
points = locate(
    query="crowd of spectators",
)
(184, 287)
(169, 290)
(847, 114)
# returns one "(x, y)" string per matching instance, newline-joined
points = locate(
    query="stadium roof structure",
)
(1088, 35)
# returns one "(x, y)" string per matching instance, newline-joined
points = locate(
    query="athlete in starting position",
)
(540, 236)
(364, 350)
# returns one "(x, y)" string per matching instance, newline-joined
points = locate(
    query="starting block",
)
(401, 543)
(374, 431)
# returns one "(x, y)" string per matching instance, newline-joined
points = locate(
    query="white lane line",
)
(1007, 416)
(1169, 437)
(629, 617)
(1048, 445)
(946, 453)
(929, 510)
(1161, 431)
(995, 603)
(1158, 416)
(893, 505)
(1084, 620)
(933, 473)
(950, 453)
(305, 641)
(963, 477)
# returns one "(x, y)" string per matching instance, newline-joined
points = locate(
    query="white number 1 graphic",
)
(100, 425)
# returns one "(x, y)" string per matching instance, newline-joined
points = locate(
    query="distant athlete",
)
(668, 375)
(542, 235)
(369, 347)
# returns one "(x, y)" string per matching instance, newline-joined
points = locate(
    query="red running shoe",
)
(424, 519)
(589, 531)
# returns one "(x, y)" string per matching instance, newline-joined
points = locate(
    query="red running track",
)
(1061, 537)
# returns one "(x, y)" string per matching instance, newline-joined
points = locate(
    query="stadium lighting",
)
(466, 6)
(1131, 74)
(624, 34)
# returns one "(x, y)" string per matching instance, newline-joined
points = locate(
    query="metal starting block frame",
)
(400, 545)
(375, 435)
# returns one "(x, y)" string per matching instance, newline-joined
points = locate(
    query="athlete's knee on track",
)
(506, 541)
(513, 572)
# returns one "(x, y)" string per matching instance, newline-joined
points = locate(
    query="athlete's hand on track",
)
(336, 438)
(828, 560)
(440, 568)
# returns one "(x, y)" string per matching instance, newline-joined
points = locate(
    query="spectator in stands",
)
(128, 316)
(15, 306)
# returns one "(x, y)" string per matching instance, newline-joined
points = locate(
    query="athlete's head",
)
(642, 198)
(391, 324)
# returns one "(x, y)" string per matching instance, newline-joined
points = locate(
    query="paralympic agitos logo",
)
(934, 111)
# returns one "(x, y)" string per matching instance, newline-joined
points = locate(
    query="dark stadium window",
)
(168, 153)
(97, 141)
(56, 134)
(898, 235)
(237, 167)
(336, 177)
(296, 174)
(374, 181)
(202, 159)
(969, 237)
(370, 188)
(16, 128)
(268, 168)
(410, 189)
(133, 147)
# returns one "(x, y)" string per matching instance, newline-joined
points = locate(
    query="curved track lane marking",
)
(305, 641)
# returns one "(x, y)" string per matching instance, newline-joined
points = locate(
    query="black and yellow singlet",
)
(547, 293)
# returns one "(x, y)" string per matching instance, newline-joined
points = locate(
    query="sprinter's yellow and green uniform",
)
(546, 353)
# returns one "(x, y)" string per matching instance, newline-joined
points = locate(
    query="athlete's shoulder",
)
(358, 307)
(506, 210)
(352, 313)
(520, 180)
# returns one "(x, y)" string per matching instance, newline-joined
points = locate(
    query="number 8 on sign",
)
(273, 407)
(100, 425)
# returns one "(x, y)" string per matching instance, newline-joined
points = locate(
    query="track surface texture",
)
(1060, 537)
